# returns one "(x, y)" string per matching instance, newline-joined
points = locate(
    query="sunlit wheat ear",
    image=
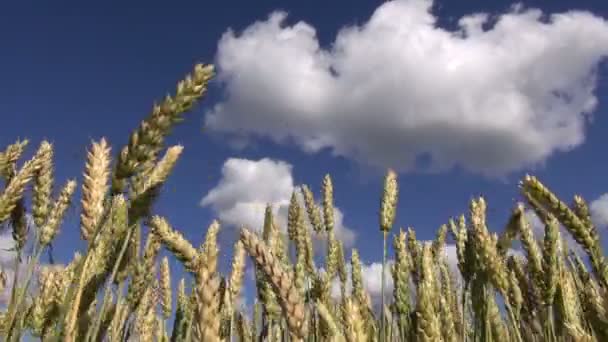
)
(144, 317)
(428, 323)
(208, 300)
(273, 236)
(13, 192)
(439, 243)
(581, 209)
(176, 243)
(165, 287)
(571, 307)
(551, 254)
(328, 203)
(43, 303)
(238, 271)
(516, 296)
(10, 156)
(147, 141)
(492, 263)
(12, 202)
(266, 294)
(388, 204)
(104, 252)
(448, 331)
(208, 291)
(293, 213)
(354, 323)
(183, 312)
(510, 232)
(594, 307)
(291, 302)
(451, 317)
(415, 250)
(310, 254)
(55, 217)
(330, 322)
(209, 249)
(331, 260)
(147, 184)
(303, 242)
(94, 187)
(401, 279)
(358, 292)
(341, 260)
(539, 191)
(142, 274)
(529, 290)
(43, 185)
(314, 213)
(460, 237)
(586, 236)
(529, 243)
(498, 326)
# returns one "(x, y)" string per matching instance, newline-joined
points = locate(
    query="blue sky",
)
(348, 88)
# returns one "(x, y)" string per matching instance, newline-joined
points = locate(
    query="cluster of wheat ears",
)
(117, 290)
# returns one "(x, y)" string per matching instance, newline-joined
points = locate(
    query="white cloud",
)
(372, 278)
(246, 186)
(398, 88)
(599, 211)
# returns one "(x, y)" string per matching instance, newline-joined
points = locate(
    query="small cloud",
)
(247, 186)
(599, 211)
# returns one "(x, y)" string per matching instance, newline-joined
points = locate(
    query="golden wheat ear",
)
(283, 282)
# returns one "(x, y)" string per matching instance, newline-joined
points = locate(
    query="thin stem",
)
(15, 278)
(108, 289)
(513, 320)
(382, 332)
(80, 270)
(21, 294)
(464, 312)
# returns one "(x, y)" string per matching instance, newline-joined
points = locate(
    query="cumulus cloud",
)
(246, 186)
(599, 210)
(397, 90)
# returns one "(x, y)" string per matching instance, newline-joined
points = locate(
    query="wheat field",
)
(119, 289)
